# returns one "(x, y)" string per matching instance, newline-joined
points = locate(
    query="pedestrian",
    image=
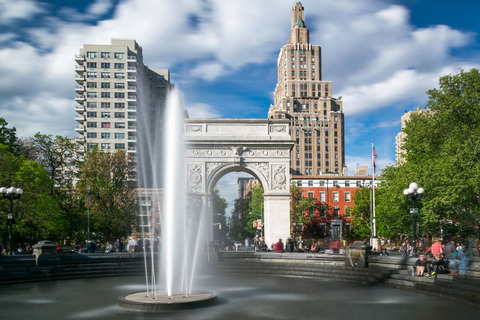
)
(118, 245)
(421, 265)
(247, 244)
(91, 247)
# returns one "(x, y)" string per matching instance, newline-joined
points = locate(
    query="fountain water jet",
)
(181, 223)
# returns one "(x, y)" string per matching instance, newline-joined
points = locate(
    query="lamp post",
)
(88, 214)
(11, 194)
(414, 193)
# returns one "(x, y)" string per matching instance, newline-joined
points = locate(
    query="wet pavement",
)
(239, 298)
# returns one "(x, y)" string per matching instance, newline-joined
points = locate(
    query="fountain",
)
(174, 262)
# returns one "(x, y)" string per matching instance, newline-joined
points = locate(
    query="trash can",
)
(357, 254)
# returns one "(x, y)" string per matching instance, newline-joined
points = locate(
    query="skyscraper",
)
(112, 84)
(301, 96)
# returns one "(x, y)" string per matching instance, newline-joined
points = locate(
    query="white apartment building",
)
(112, 85)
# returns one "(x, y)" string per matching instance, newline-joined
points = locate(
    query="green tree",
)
(442, 155)
(219, 206)
(36, 212)
(255, 210)
(300, 207)
(104, 180)
(361, 213)
(8, 136)
(239, 219)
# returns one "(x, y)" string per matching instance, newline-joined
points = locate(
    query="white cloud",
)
(18, 10)
(371, 52)
(99, 7)
(202, 110)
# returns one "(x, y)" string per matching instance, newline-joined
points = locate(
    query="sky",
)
(381, 55)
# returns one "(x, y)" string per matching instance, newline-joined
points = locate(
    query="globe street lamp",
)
(10, 193)
(414, 193)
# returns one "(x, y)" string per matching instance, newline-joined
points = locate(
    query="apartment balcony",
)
(79, 57)
(79, 78)
(80, 118)
(132, 118)
(145, 225)
(132, 139)
(132, 69)
(80, 149)
(131, 98)
(80, 139)
(79, 68)
(79, 88)
(79, 97)
(132, 109)
(131, 59)
(132, 129)
(132, 150)
(132, 89)
(79, 108)
(80, 128)
(146, 203)
(132, 78)
(81, 158)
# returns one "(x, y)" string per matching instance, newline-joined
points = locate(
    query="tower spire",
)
(299, 33)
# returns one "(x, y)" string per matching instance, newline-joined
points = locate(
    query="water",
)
(161, 168)
(241, 297)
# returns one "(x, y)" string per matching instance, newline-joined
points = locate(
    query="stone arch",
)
(261, 147)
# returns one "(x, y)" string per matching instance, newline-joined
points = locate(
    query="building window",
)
(119, 75)
(91, 94)
(323, 212)
(105, 105)
(91, 114)
(119, 95)
(91, 145)
(106, 125)
(335, 197)
(105, 146)
(336, 212)
(347, 228)
(91, 74)
(119, 55)
(119, 85)
(347, 183)
(359, 184)
(105, 55)
(91, 84)
(119, 105)
(91, 104)
(105, 114)
(105, 135)
(310, 183)
(119, 145)
(91, 54)
(105, 85)
(310, 195)
(120, 125)
(105, 75)
(119, 114)
(105, 94)
(348, 197)
(322, 196)
(119, 65)
(119, 135)
(91, 135)
(348, 211)
(105, 65)
(91, 124)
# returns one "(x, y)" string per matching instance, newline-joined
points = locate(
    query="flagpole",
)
(373, 191)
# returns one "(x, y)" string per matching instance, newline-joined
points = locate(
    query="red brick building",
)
(333, 202)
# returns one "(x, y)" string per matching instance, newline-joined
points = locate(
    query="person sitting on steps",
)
(421, 265)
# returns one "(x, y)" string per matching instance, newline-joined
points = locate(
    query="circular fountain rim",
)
(140, 302)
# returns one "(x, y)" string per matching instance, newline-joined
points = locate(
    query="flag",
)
(374, 157)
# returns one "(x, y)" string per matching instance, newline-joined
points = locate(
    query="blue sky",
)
(381, 56)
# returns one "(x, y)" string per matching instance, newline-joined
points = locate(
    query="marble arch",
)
(215, 147)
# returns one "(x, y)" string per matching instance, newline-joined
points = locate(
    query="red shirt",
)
(436, 248)
(278, 246)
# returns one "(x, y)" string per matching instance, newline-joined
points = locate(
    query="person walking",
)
(118, 246)
(247, 244)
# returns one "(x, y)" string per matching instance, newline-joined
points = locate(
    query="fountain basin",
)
(139, 301)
